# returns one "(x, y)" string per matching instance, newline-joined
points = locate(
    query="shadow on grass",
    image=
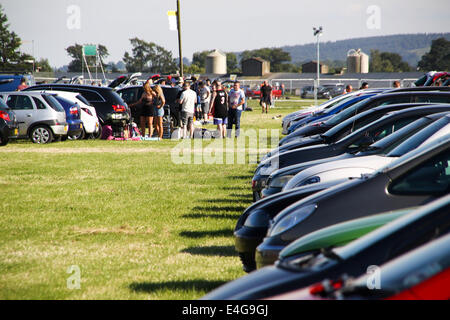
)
(214, 216)
(218, 209)
(226, 200)
(245, 195)
(186, 285)
(246, 177)
(221, 251)
(203, 234)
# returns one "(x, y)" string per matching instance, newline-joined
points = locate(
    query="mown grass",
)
(137, 225)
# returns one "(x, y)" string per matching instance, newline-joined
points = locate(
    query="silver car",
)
(39, 115)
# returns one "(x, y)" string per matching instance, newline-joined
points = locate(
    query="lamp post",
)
(180, 51)
(317, 33)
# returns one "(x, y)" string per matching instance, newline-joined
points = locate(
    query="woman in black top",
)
(147, 109)
(219, 109)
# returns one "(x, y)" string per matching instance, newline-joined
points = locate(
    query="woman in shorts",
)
(158, 102)
(147, 109)
(219, 109)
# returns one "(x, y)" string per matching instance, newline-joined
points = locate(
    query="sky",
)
(47, 27)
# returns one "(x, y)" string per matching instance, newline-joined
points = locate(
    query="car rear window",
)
(82, 99)
(53, 103)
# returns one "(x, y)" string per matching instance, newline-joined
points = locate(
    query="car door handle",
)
(29, 115)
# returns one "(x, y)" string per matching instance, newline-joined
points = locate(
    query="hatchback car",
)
(8, 124)
(39, 115)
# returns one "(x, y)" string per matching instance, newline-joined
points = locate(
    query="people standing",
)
(158, 103)
(396, 84)
(205, 98)
(364, 86)
(219, 109)
(188, 99)
(147, 109)
(236, 101)
(348, 89)
(266, 96)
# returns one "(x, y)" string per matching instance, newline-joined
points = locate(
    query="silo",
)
(353, 62)
(216, 63)
(364, 62)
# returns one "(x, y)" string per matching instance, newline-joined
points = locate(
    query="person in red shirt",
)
(22, 85)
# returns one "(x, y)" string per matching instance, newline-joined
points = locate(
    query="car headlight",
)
(309, 181)
(280, 182)
(257, 219)
(292, 219)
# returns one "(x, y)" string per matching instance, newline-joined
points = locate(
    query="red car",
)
(256, 93)
(421, 274)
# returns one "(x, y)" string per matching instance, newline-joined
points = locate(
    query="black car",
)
(253, 224)
(352, 143)
(416, 178)
(278, 179)
(377, 247)
(172, 112)
(9, 127)
(370, 103)
(111, 109)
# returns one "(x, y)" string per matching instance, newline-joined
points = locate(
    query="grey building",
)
(256, 67)
(311, 67)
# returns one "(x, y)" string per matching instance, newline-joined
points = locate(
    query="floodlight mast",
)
(317, 33)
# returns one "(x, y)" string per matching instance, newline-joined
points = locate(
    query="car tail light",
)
(4, 115)
(119, 108)
(317, 124)
(73, 110)
(87, 111)
(253, 183)
(326, 286)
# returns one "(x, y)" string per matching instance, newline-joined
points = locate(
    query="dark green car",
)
(334, 236)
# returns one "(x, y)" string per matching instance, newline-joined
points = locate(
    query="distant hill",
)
(410, 46)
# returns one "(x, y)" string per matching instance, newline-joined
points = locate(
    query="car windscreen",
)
(53, 103)
(347, 113)
(420, 137)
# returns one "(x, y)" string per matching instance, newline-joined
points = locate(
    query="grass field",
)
(135, 224)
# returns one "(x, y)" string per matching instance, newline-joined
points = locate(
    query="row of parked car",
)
(55, 111)
(365, 188)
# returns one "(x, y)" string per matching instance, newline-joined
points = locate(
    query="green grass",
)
(136, 224)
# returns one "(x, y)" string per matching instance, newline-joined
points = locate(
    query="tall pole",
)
(179, 38)
(318, 71)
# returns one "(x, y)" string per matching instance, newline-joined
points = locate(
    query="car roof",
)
(63, 85)
(24, 93)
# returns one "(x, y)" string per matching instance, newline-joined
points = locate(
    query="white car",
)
(89, 117)
(343, 170)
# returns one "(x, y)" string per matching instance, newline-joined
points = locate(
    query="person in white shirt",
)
(188, 100)
(236, 101)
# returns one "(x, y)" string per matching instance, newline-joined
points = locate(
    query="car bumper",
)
(60, 129)
(267, 192)
(266, 255)
(75, 129)
(10, 131)
(246, 241)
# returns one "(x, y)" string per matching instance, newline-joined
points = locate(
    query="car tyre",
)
(98, 134)
(41, 135)
(3, 141)
(79, 136)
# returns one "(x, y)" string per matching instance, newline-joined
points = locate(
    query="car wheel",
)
(3, 141)
(98, 134)
(41, 135)
(79, 136)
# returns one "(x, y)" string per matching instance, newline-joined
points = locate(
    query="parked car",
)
(91, 124)
(39, 115)
(9, 127)
(308, 93)
(73, 117)
(10, 82)
(418, 177)
(372, 102)
(420, 274)
(111, 109)
(278, 179)
(172, 112)
(326, 114)
(334, 89)
(375, 248)
(355, 142)
(347, 168)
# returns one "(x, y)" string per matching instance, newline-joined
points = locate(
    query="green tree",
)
(199, 58)
(232, 63)
(9, 45)
(76, 53)
(387, 62)
(43, 65)
(438, 58)
(149, 57)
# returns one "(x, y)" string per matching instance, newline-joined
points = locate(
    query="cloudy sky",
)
(231, 25)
